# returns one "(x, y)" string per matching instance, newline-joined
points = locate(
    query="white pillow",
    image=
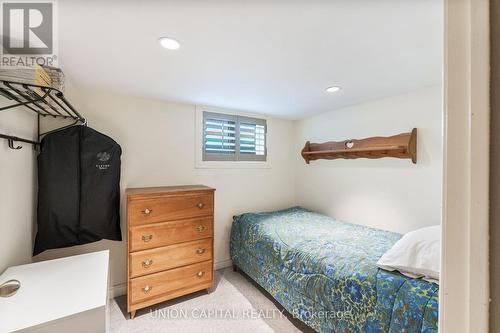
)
(417, 254)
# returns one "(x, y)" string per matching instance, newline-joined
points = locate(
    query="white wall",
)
(158, 142)
(388, 193)
(17, 188)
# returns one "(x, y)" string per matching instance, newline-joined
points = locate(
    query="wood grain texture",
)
(170, 243)
(160, 284)
(170, 295)
(168, 257)
(169, 208)
(167, 233)
(398, 146)
(148, 192)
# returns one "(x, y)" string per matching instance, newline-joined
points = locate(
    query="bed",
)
(324, 273)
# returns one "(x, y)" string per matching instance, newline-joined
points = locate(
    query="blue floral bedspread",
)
(324, 272)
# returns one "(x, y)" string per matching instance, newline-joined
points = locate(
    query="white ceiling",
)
(269, 57)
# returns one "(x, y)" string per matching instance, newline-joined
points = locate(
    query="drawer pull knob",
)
(147, 263)
(200, 228)
(200, 205)
(200, 251)
(147, 211)
(200, 274)
(146, 238)
(147, 289)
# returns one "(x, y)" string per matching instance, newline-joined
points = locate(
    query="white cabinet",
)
(61, 295)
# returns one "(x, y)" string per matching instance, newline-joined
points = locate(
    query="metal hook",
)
(11, 144)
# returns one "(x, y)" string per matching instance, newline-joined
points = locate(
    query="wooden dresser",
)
(170, 243)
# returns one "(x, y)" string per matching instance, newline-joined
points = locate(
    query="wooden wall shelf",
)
(403, 145)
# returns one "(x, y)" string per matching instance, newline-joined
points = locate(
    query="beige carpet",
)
(236, 305)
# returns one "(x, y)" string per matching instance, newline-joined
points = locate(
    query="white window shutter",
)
(233, 138)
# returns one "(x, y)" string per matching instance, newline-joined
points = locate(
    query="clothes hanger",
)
(76, 123)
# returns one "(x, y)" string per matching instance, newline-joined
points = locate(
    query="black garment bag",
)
(78, 189)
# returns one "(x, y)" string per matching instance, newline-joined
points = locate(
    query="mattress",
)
(323, 271)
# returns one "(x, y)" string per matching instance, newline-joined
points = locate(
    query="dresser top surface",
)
(167, 189)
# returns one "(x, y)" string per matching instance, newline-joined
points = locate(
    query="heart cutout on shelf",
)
(349, 144)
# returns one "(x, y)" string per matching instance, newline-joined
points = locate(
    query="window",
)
(233, 138)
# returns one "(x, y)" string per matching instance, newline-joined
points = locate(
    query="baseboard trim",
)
(223, 264)
(118, 290)
(121, 288)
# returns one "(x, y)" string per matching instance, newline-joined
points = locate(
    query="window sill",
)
(232, 165)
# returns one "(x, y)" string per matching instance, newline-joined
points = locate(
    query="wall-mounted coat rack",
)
(403, 145)
(42, 100)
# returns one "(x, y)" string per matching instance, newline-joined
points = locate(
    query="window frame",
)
(237, 156)
(255, 162)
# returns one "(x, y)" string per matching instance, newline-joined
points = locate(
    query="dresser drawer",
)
(144, 211)
(158, 284)
(167, 257)
(168, 233)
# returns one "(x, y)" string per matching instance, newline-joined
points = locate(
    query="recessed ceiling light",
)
(169, 43)
(332, 89)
